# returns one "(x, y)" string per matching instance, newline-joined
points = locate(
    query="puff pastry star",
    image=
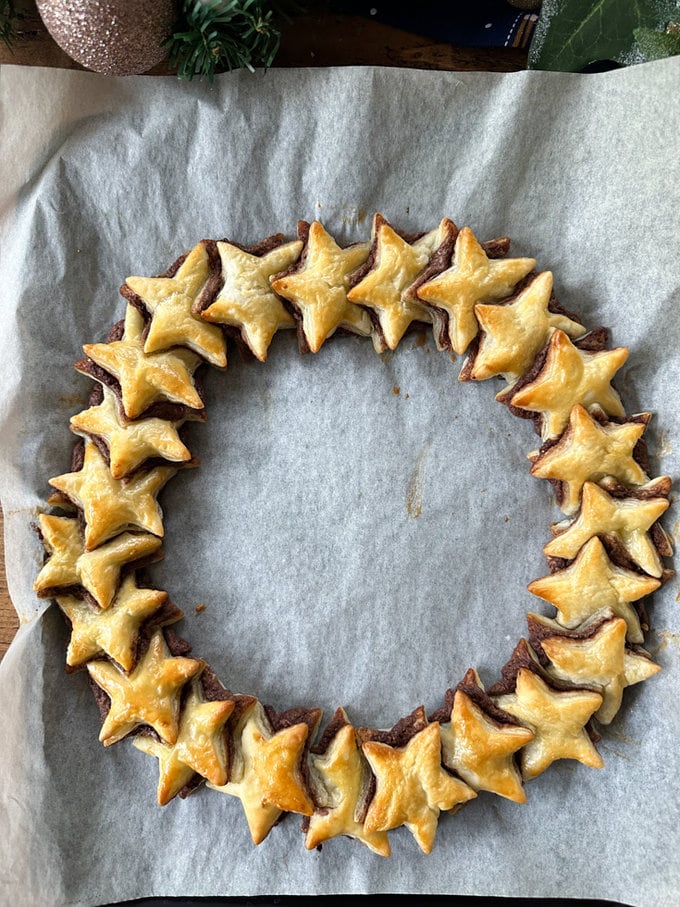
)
(170, 301)
(412, 787)
(592, 583)
(246, 300)
(513, 334)
(558, 720)
(386, 288)
(628, 519)
(570, 376)
(344, 778)
(150, 695)
(201, 746)
(129, 443)
(318, 288)
(114, 631)
(481, 750)
(589, 451)
(265, 771)
(600, 661)
(472, 278)
(145, 378)
(98, 571)
(113, 505)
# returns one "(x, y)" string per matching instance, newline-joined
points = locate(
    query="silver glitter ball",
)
(117, 37)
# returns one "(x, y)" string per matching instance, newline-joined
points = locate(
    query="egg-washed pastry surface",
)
(103, 524)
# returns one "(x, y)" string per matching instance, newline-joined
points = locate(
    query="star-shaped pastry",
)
(129, 443)
(114, 631)
(145, 378)
(599, 660)
(343, 775)
(513, 334)
(109, 505)
(317, 289)
(98, 571)
(589, 451)
(412, 787)
(266, 772)
(629, 519)
(558, 720)
(592, 583)
(150, 695)
(201, 746)
(481, 749)
(570, 376)
(170, 300)
(471, 279)
(386, 288)
(246, 300)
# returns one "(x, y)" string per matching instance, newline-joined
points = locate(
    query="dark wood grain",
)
(309, 41)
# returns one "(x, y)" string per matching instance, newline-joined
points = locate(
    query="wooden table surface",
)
(331, 40)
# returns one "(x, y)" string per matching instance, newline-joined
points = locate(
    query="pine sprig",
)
(216, 35)
(8, 21)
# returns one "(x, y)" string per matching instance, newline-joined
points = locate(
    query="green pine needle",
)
(216, 35)
(8, 21)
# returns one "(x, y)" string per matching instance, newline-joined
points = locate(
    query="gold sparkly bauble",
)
(116, 37)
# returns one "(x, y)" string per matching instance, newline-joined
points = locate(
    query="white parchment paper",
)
(363, 527)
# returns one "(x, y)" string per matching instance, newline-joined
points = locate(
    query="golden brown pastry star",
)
(386, 287)
(201, 746)
(512, 335)
(149, 695)
(130, 443)
(481, 749)
(412, 787)
(600, 661)
(557, 718)
(265, 771)
(146, 378)
(589, 451)
(592, 583)
(472, 278)
(629, 519)
(113, 631)
(170, 301)
(98, 571)
(343, 774)
(246, 300)
(113, 505)
(318, 289)
(569, 376)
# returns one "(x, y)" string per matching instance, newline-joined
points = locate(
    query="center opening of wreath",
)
(361, 529)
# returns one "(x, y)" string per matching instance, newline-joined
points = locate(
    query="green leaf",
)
(655, 45)
(571, 34)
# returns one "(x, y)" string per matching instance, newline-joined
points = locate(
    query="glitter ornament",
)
(116, 37)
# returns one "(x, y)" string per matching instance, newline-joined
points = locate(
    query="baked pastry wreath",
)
(104, 524)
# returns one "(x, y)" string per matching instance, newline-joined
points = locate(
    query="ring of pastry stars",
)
(605, 556)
